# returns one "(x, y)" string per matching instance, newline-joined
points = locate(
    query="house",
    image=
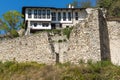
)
(38, 18)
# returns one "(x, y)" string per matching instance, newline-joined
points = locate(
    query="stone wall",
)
(28, 48)
(91, 39)
(114, 37)
(84, 41)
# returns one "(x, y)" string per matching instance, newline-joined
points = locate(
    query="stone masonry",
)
(28, 48)
(114, 37)
(94, 39)
(84, 41)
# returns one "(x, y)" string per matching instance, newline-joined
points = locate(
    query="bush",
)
(8, 64)
(67, 32)
(14, 33)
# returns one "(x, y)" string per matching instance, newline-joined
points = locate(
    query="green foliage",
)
(8, 64)
(81, 61)
(12, 18)
(22, 25)
(115, 9)
(104, 3)
(11, 22)
(73, 73)
(106, 63)
(67, 32)
(56, 31)
(102, 70)
(13, 33)
(4, 26)
(112, 6)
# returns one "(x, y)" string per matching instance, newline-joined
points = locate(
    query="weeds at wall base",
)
(102, 70)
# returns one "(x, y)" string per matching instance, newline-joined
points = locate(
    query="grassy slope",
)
(33, 71)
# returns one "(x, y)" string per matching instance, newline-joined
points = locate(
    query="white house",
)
(37, 18)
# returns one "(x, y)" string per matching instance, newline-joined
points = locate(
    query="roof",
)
(32, 7)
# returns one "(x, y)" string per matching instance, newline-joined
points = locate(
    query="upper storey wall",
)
(70, 15)
(38, 18)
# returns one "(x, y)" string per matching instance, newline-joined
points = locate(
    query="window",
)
(64, 16)
(59, 16)
(35, 24)
(39, 13)
(29, 13)
(48, 14)
(35, 13)
(45, 24)
(76, 15)
(69, 16)
(53, 16)
(44, 14)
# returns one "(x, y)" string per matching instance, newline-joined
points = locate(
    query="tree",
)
(13, 19)
(10, 22)
(115, 8)
(104, 3)
(112, 6)
(3, 26)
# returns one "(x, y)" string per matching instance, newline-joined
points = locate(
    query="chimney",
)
(69, 6)
(72, 6)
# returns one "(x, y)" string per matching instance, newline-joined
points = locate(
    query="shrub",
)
(67, 32)
(56, 31)
(14, 33)
(106, 63)
(8, 64)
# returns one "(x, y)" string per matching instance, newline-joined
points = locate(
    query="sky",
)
(7, 5)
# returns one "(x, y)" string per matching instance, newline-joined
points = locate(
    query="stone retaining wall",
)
(84, 41)
(92, 39)
(28, 48)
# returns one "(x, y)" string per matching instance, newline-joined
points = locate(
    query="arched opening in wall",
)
(57, 57)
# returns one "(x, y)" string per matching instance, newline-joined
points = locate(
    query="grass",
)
(84, 71)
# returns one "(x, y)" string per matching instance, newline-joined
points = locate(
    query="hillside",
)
(34, 71)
